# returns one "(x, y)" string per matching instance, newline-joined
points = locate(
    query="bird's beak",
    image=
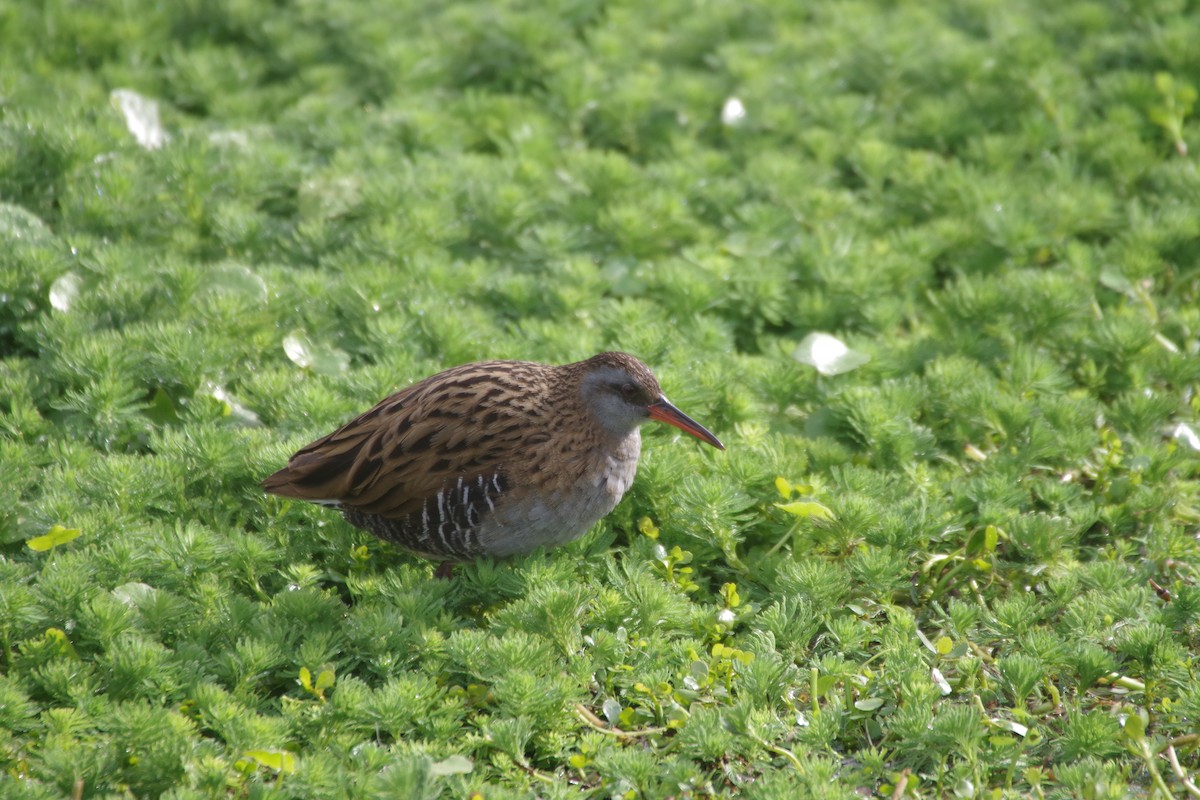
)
(663, 411)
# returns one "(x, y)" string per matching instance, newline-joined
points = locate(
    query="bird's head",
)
(621, 393)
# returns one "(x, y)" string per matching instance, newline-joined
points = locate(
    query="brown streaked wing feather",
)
(388, 460)
(322, 470)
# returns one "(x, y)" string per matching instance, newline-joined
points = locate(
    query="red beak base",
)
(663, 411)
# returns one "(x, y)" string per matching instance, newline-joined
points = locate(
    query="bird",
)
(488, 459)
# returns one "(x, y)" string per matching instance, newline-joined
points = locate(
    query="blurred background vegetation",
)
(951, 551)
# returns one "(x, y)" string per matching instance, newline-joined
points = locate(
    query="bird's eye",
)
(629, 391)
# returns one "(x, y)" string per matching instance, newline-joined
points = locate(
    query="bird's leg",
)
(445, 570)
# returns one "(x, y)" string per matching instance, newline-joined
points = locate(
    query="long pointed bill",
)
(663, 411)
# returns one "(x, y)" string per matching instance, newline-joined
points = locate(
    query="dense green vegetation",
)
(968, 567)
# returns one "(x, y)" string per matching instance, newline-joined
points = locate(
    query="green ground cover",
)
(968, 567)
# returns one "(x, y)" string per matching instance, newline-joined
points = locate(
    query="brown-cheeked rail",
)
(494, 458)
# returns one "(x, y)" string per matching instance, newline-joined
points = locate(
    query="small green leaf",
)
(16, 223)
(648, 528)
(806, 509)
(944, 645)
(825, 683)
(236, 279)
(983, 541)
(62, 643)
(1111, 277)
(454, 765)
(937, 559)
(991, 537)
(784, 487)
(1135, 727)
(278, 760)
(612, 711)
(306, 679)
(1011, 726)
(133, 593)
(680, 556)
(161, 409)
(325, 680)
(870, 704)
(56, 536)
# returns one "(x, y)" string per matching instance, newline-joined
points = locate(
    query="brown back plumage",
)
(464, 422)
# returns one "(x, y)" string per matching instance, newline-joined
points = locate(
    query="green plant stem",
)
(1177, 768)
(1141, 748)
(592, 721)
(778, 750)
(1116, 679)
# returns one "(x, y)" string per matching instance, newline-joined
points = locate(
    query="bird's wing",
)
(392, 459)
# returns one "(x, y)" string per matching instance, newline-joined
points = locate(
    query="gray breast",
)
(564, 510)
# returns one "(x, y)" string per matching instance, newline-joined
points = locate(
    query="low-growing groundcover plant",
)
(951, 549)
